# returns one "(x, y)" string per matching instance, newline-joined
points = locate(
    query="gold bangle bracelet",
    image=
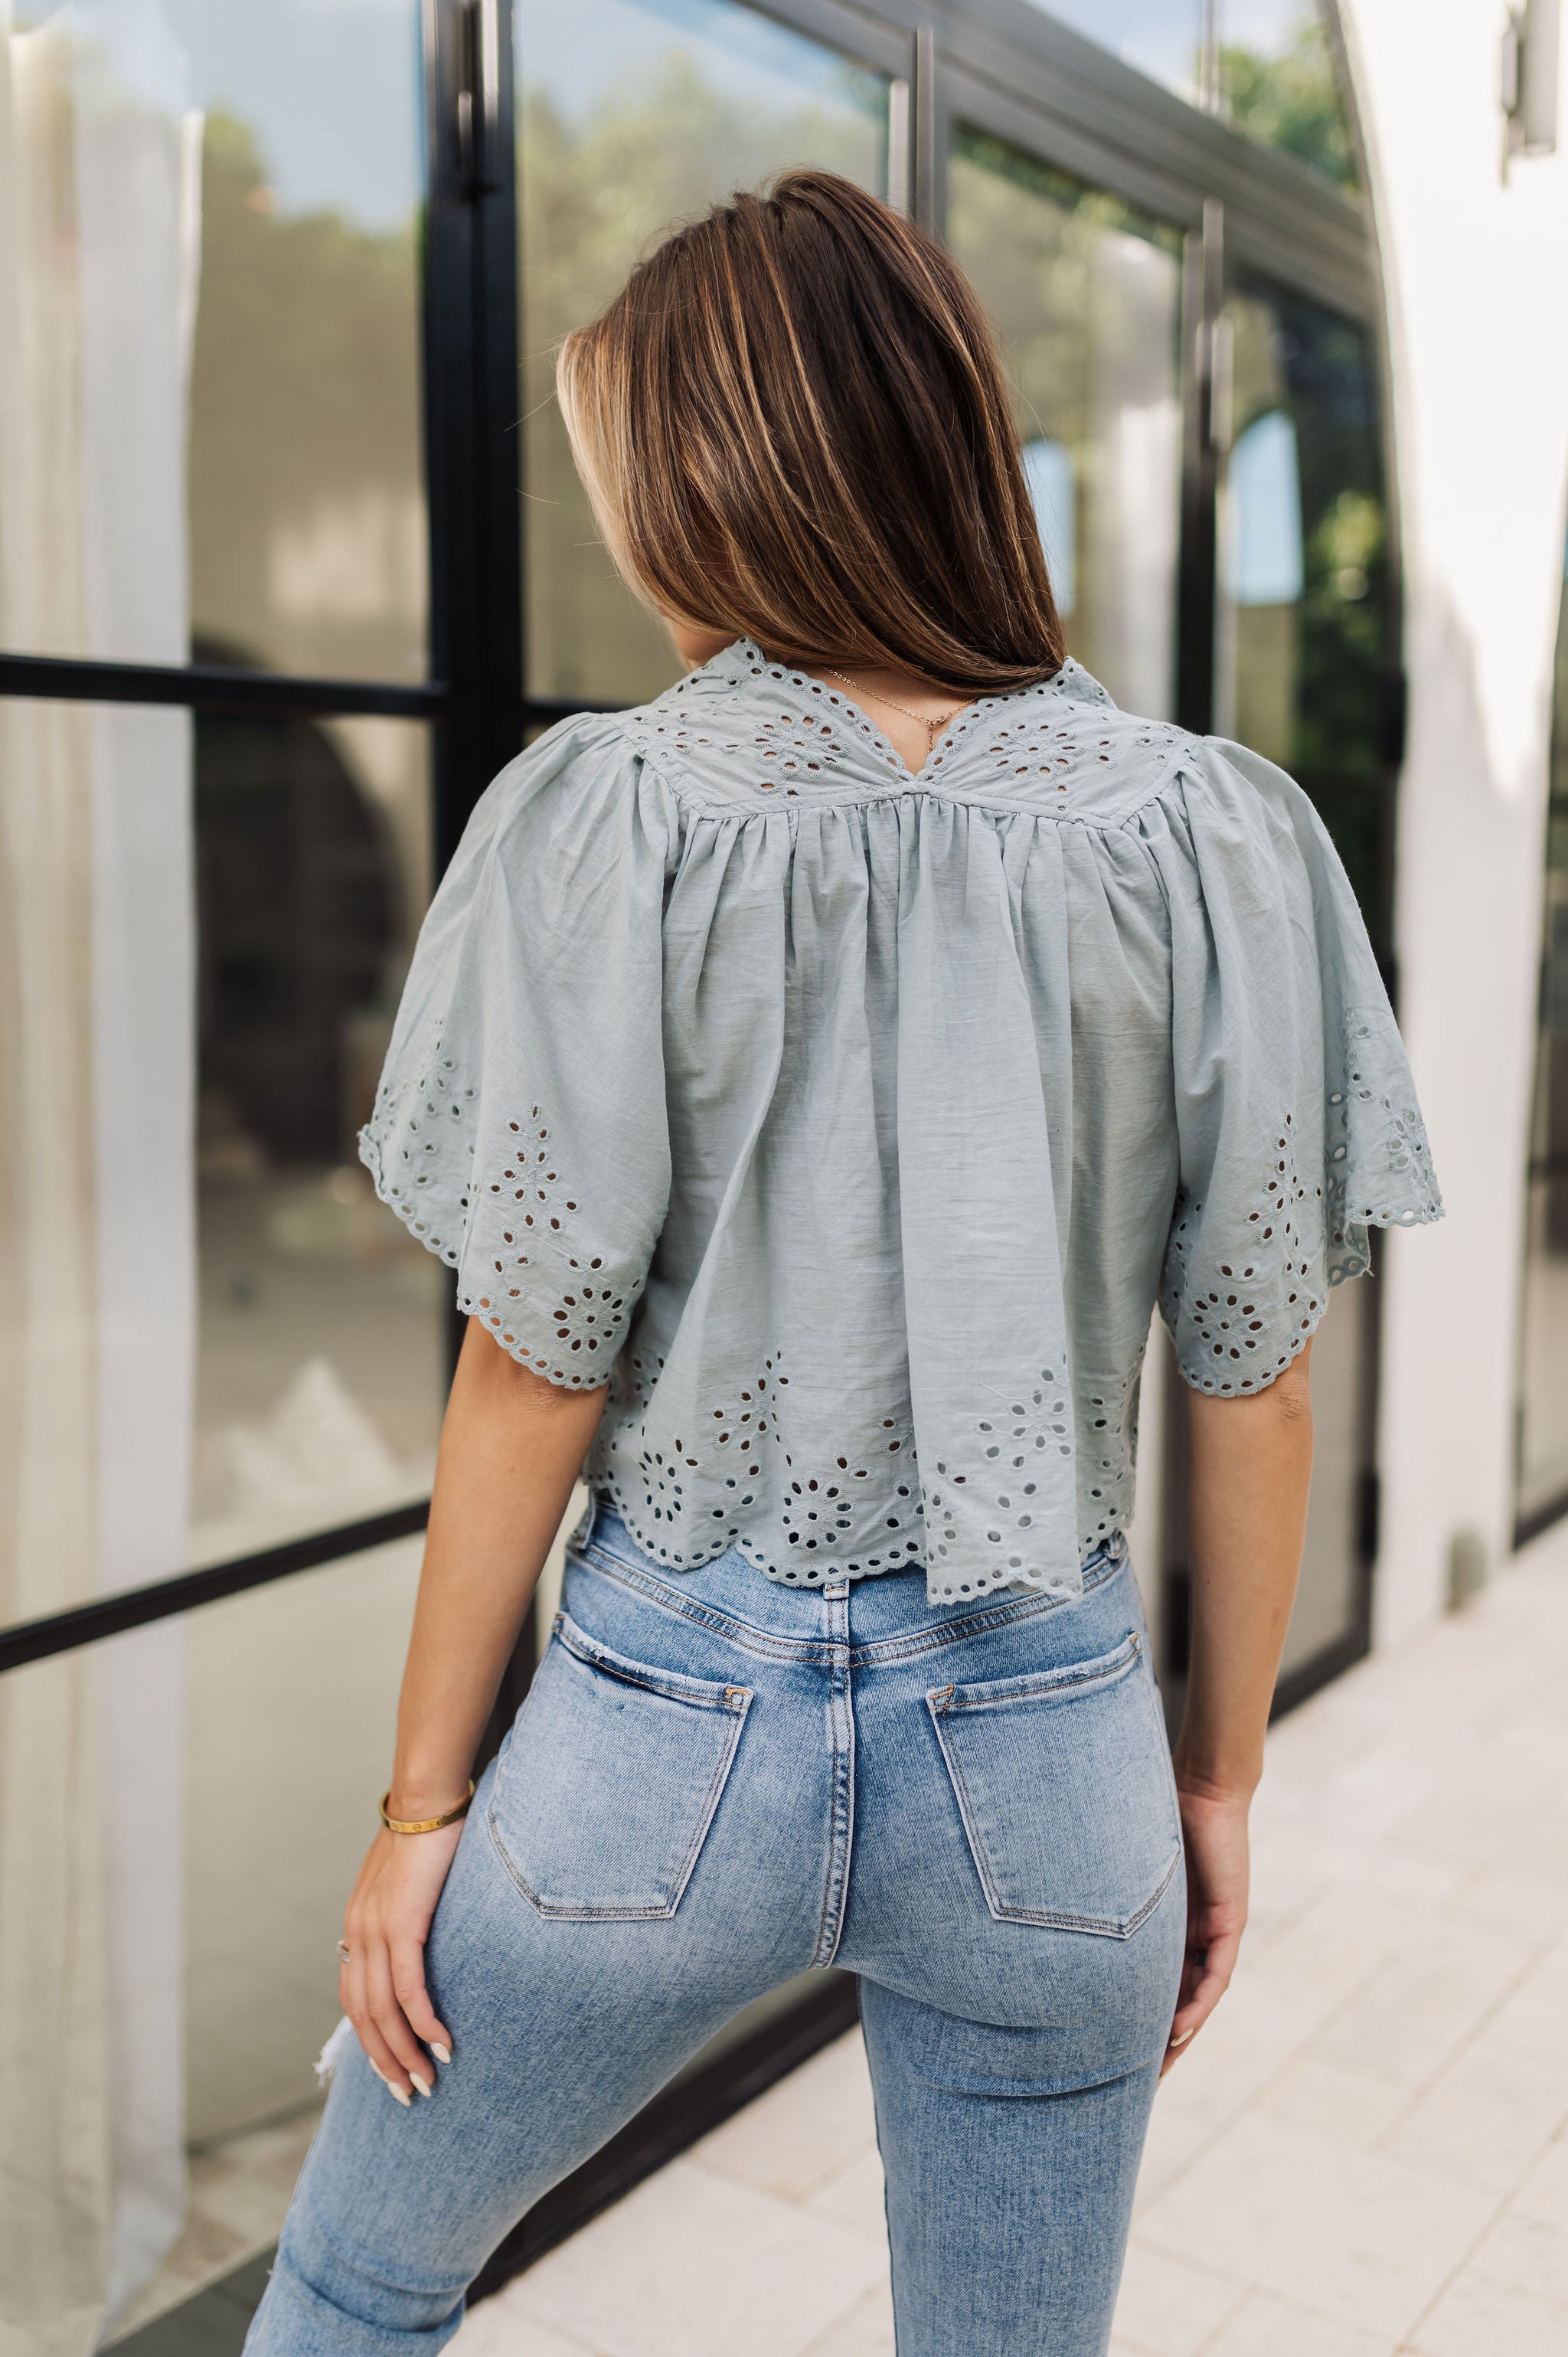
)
(425, 1825)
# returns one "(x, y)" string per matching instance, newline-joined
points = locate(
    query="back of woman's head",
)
(793, 424)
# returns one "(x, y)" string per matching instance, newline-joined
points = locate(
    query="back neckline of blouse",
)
(743, 661)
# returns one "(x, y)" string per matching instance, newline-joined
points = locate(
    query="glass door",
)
(1303, 653)
(1086, 291)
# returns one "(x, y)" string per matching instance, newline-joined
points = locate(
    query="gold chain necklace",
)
(933, 728)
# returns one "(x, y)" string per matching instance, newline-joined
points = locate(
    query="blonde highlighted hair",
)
(793, 425)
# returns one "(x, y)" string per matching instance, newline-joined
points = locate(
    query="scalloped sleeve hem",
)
(520, 1130)
(1297, 1119)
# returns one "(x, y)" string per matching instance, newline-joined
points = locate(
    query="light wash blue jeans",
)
(715, 1783)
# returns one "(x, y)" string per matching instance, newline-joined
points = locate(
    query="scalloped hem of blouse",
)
(534, 1363)
(1066, 1588)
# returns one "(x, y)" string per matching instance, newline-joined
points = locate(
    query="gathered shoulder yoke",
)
(849, 1125)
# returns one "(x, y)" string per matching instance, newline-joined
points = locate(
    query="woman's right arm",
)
(1251, 1468)
(511, 1447)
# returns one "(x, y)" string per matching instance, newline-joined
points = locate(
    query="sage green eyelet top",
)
(848, 1124)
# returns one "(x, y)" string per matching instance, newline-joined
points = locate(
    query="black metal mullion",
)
(212, 687)
(138, 1608)
(1203, 275)
(471, 426)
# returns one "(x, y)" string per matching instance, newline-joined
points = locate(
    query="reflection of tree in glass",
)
(1291, 354)
(596, 195)
(1292, 101)
(1040, 269)
(306, 506)
(1084, 291)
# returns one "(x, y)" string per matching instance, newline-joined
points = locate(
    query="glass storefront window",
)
(633, 114)
(1542, 1472)
(200, 977)
(321, 1355)
(1087, 294)
(291, 1698)
(182, 1814)
(226, 204)
(1277, 76)
(1300, 667)
(1164, 38)
(1302, 658)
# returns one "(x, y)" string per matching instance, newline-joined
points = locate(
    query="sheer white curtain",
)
(99, 196)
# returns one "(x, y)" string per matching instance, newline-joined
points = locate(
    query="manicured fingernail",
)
(442, 2053)
(1182, 2038)
(398, 2094)
(380, 2074)
(423, 2084)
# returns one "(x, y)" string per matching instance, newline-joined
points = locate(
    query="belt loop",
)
(587, 1521)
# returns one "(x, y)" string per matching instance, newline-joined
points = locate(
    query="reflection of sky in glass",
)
(1161, 38)
(1048, 472)
(330, 88)
(744, 55)
(1263, 514)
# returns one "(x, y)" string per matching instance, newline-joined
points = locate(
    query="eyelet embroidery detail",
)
(842, 1515)
(809, 740)
(532, 1208)
(1401, 1145)
(1264, 1279)
(1042, 750)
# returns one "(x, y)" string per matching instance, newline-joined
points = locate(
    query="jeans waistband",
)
(889, 1611)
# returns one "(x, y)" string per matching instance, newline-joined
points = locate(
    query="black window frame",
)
(1008, 68)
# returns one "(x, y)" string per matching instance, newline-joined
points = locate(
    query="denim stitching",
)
(710, 1799)
(939, 1703)
(933, 1638)
(840, 1824)
(701, 1694)
(1107, 1669)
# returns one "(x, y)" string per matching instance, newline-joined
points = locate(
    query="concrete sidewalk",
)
(1365, 2154)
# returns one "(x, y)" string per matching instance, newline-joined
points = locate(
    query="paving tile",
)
(1423, 2003)
(1367, 2239)
(1478, 2318)
(1167, 2309)
(1528, 2245)
(865, 2331)
(1531, 1905)
(1331, 2099)
(1466, 1818)
(497, 2327)
(1532, 2023)
(691, 2266)
(1485, 2117)
(805, 2130)
(1266, 2326)
(854, 2199)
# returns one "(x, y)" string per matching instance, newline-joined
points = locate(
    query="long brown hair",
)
(793, 425)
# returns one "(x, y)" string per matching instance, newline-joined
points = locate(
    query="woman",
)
(813, 1078)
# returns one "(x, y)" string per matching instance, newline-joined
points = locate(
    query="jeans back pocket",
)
(1063, 1780)
(608, 1781)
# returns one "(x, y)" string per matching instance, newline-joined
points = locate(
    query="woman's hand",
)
(1214, 1828)
(382, 1987)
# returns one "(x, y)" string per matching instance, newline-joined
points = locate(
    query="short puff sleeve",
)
(1297, 1116)
(520, 1126)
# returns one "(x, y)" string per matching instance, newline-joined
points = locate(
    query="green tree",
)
(1292, 101)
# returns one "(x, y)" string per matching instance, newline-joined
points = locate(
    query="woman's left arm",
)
(511, 1447)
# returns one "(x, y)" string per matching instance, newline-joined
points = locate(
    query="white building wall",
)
(1477, 271)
